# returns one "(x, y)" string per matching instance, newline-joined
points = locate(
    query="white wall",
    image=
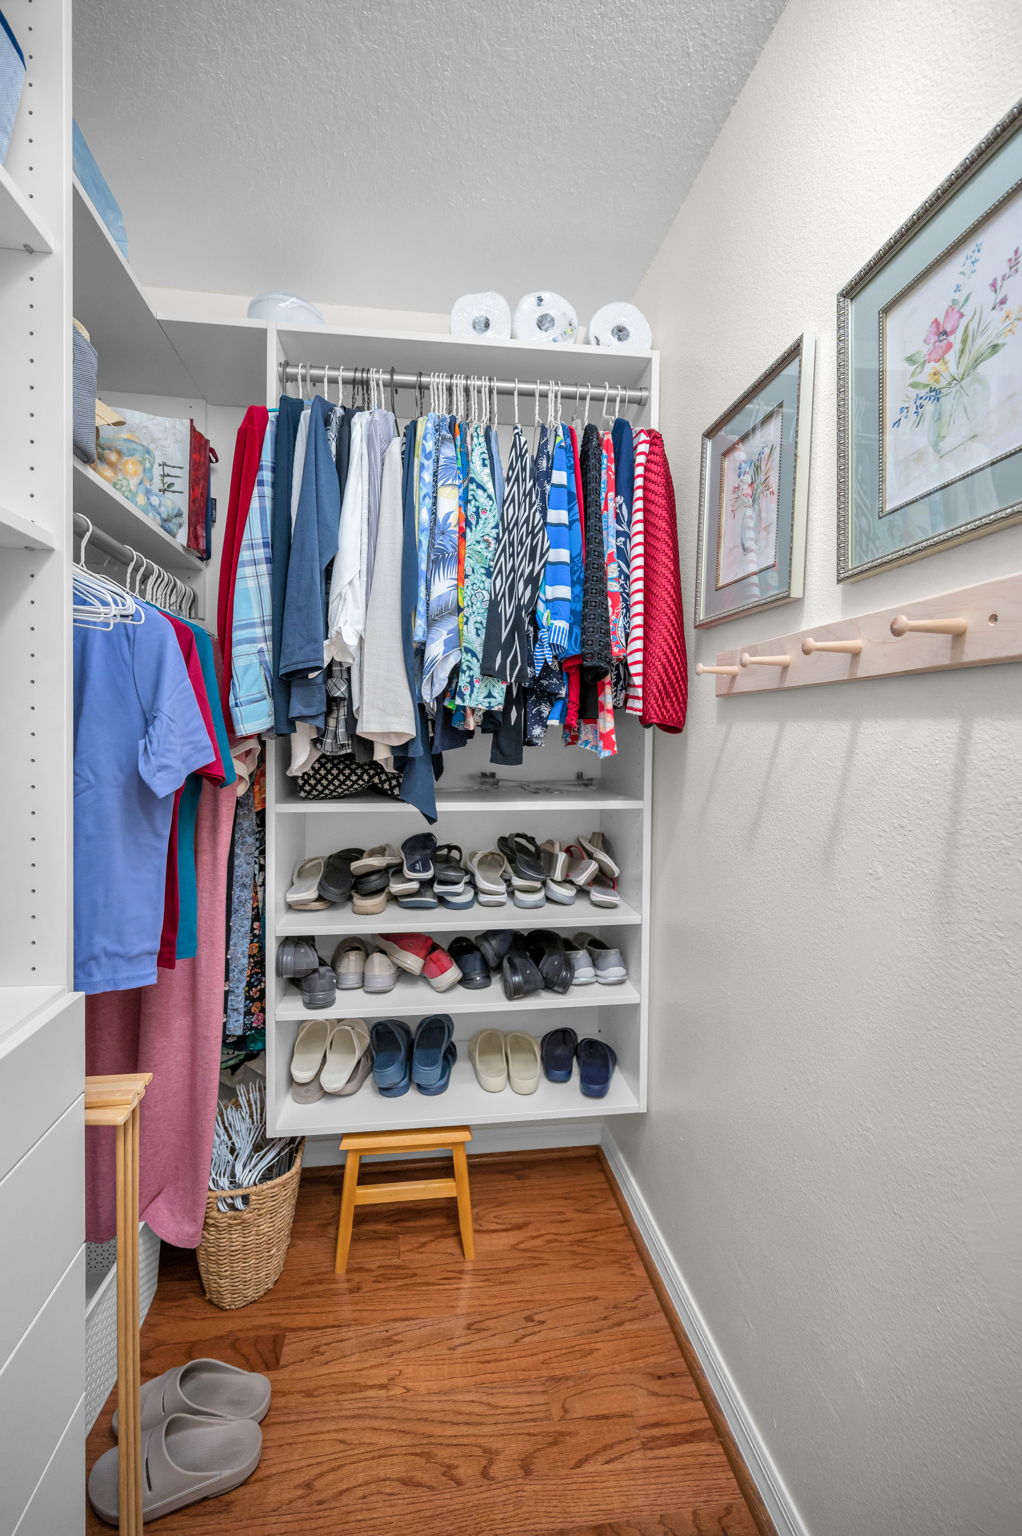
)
(832, 1149)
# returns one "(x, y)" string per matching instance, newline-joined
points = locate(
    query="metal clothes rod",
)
(319, 373)
(103, 541)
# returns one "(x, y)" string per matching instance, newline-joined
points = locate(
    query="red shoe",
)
(408, 950)
(440, 970)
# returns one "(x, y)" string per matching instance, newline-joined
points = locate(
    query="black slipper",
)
(494, 944)
(450, 875)
(376, 880)
(475, 973)
(547, 950)
(336, 880)
(524, 856)
(519, 973)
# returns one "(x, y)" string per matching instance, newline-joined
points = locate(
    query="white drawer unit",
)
(58, 1503)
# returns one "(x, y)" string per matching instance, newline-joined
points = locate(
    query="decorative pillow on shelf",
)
(334, 778)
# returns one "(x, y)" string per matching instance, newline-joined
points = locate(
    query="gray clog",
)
(184, 1459)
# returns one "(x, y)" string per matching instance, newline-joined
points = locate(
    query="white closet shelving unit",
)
(617, 802)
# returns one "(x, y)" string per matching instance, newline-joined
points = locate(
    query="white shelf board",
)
(414, 996)
(136, 356)
(581, 914)
(451, 800)
(107, 509)
(464, 1103)
(17, 532)
(19, 1005)
(415, 351)
(20, 228)
(226, 358)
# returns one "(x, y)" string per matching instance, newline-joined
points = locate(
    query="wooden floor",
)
(538, 1391)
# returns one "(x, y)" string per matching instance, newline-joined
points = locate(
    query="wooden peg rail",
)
(974, 627)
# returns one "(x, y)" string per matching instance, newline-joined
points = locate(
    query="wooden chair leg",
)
(346, 1218)
(468, 1241)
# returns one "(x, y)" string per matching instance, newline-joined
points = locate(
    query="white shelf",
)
(17, 532)
(19, 1005)
(463, 1103)
(413, 995)
(341, 921)
(109, 510)
(452, 800)
(20, 228)
(226, 358)
(421, 351)
(136, 356)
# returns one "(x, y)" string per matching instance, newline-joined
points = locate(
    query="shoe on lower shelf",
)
(432, 1037)
(557, 1051)
(608, 962)
(349, 1041)
(489, 1059)
(470, 960)
(380, 974)
(348, 961)
(408, 950)
(596, 1063)
(440, 970)
(523, 1063)
(319, 989)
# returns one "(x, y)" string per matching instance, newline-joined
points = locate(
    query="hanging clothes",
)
(475, 690)
(637, 562)
(387, 713)
(251, 617)
(664, 659)
(442, 649)
(247, 447)
(313, 546)
(289, 414)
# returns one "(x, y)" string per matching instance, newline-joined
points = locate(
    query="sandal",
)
(451, 876)
(581, 868)
(384, 856)
(417, 856)
(519, 973)
(488, 868)
(336, 880)
(523, 855)
(597, 846)
(303, 892)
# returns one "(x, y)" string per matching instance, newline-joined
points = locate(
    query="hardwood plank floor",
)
(537, 1392)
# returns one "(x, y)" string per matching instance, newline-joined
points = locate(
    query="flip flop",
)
(363, 1067)
(581, 868)
(208, 1388)
(596, 1063)
(461, 901)
(417, 852)
(489, 1059)
(529, 896)
(384, 856)
(604, 892)
(557, 1049)
(560, 890)
(185, 1459)
(311, 1043)
(432, 1037)
(392, 1044)
(451, 876)
(336, 880)
(523, 855)
(349, 1041)
(488, 866)
(597, 846)
(369, 905)
(441, 1084)
(423, 899)
(523, 1064)
(303, 891)
(555, 860)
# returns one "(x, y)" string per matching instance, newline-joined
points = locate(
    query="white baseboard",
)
(322, 1151)
(747, 1438)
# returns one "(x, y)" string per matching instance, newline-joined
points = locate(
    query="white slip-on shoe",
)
(348, 961)
(380, 973)
(584, 970)
(523, 1063)
(489, 1059)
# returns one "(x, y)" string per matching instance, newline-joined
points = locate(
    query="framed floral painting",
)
(753, 494)
(930, 370)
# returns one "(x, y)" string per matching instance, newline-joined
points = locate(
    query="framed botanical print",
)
(930, 370)
(753, 493)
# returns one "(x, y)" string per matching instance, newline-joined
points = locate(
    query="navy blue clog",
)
(596, 1063)
(557, 1050)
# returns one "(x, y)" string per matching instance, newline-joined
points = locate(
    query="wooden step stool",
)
(359, 1145)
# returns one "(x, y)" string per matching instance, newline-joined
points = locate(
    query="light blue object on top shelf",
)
(285, 309)
(12, 81)
(97, 191)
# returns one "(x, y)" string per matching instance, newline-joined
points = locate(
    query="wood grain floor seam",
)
(540, 1391)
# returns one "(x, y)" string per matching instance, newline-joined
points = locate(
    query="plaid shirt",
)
(251, 629)
(334, 740)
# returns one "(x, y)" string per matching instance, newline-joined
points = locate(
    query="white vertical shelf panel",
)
(619, 802)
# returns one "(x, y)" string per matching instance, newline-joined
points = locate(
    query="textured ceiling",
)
(396, 154)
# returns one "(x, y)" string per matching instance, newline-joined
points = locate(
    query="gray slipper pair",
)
(200, 1438)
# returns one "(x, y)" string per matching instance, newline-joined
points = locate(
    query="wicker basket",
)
(242, 1253)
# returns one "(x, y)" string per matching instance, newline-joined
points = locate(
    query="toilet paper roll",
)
(545, 316)
(487, 315)
(622, 326)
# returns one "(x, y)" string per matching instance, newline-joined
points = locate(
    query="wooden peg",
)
(852, 647)
(903, 625)
(765, 661)
(716, 671)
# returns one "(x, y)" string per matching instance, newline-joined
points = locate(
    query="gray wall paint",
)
(832, 1148)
